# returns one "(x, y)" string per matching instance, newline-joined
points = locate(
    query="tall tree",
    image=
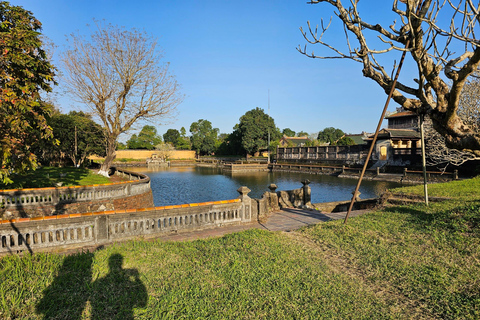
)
(147, 138)
(171, 136)
(119, 75)
(78, 135)
(330, 135)
(24, 73)
(438, 154)
(302, 134)
(288, 132)
(254, 127)
(438, 37)
(204, 136)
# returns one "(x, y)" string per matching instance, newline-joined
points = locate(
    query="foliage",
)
(120, 76)
(254, 128)
(345, 141)
(437, 38)
(302, 134)
(204, 137)
(232, 144)
(121, 146)
(288, 132)
(45, 177)
(25, 72)
(78, 136)
(146, 139)
(330, 135)
(171, 136)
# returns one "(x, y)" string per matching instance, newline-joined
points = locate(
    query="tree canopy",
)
(171, 136)
(288, 132)
(78, 135)
(24, 73)
(120, 76)
(440, 40)
(147, 138)
(330, 135)
(204, 136)
(254, 128)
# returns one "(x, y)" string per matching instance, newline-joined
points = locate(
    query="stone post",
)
(246, 203)
(455, 174)
(378, 171)
(404, 172)
(307, 193)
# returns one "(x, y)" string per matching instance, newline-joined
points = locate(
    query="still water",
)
(180, 185)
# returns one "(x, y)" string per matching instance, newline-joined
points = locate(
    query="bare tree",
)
(469, 111)
(119, 75)
(438, 154)
(433, 29)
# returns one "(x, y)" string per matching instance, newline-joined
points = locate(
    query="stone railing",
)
(71, 231)
(57, 200)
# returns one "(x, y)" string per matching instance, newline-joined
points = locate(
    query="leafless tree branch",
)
(119, 75)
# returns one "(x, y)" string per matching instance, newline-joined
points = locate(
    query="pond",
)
(180, 185)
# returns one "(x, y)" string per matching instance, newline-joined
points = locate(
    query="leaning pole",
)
(378, 126)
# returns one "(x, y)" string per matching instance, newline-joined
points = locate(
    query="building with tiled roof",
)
(295, 141)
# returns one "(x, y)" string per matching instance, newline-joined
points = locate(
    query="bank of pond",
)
(191, 184)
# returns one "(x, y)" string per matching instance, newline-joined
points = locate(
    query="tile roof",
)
(401, 114)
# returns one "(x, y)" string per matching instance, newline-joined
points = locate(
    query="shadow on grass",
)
(73, 294)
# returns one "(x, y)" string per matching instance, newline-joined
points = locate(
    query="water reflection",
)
(189, 184)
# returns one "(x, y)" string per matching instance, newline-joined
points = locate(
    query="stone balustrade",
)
(80, 230)
(59, 200)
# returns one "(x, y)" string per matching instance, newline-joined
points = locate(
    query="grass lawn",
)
(45, 177)
(401, 262)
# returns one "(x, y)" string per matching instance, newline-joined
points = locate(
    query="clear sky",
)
(227, 55)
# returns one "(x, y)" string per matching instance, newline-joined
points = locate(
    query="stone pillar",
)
(307, 194)
(455, 174)
(273, 198)
(246, 203)
(101, 229)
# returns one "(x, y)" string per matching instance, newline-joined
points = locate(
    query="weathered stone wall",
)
(80, 230)
(24, 203)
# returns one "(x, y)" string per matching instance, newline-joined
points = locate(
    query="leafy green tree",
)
(78, 135)
(183, 143)
(121, 146)
(302, 134)
(232, 144)
(288, 132)
(171, 136)
(330, 135)
(254, 128)
(204, 136)
(345, 141)
(146, 139)
(24, 73)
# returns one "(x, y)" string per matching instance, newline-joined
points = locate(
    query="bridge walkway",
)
(283, 220)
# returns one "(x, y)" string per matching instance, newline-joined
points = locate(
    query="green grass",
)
(45, 177)
(403, 262)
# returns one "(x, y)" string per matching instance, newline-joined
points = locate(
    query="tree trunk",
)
(111, 155)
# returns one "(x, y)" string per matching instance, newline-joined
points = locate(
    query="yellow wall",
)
(145, 154)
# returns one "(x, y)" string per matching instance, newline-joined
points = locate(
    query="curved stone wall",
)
(29, 203)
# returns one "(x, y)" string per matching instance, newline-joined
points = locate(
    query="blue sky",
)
(227, 56)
